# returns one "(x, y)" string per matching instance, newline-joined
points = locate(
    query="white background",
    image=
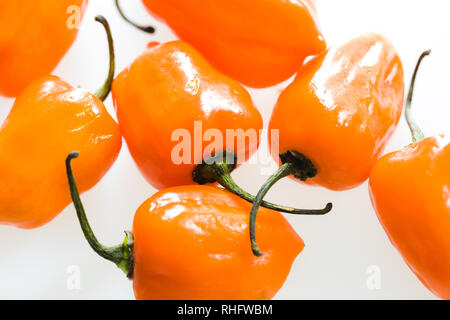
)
(340, 248)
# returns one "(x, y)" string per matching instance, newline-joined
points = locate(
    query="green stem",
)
(148, 29)
(104, 91)
(416, 133)
(296, 165)
(218, 169)
(121, 255)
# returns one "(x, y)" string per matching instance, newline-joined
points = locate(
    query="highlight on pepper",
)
(48, 118)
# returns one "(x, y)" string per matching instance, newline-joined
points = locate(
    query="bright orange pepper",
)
(49, 120)
(335, 119)
(34, 37)
(410, 190)
(191, 243)
(170, 87)
(259, 43)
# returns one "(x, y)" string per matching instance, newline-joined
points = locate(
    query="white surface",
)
(339, 248)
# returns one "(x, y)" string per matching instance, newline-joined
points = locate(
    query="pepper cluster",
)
(195, 239)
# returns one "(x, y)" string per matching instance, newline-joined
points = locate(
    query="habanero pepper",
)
(190, 243)
(410, 191)
(335, 119)
(258, 43)
(171, 87)
(48, 120)
(34, 37)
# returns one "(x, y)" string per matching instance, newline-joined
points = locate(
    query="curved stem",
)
(148, 29)
(104, 91)
(284, 171)
(218, 168)
(416, 133)
(121, 255)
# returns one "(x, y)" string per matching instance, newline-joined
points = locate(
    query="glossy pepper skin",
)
(34, 37)
(341, 110)
(191, 243)
(203, 251)
(410, 191)
(335, 119)
(48, 120)
(258, 43)
(168, 88)
(164, 97)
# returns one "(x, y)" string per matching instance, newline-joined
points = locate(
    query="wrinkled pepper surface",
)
(334, 120)
(168, 89)
(342, 109)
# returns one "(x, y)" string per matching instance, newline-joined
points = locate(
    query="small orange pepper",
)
(410, 190)
(48, 120)
(34, 37)
(335, 119)
(191, 243)
(258, 43)
(169, 88)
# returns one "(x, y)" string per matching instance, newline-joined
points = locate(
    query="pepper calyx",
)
(302, 167)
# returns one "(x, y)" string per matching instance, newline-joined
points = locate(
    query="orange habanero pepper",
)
(190, 243)
(258, 43)
(410, 190)
(34, 37)
(170, 88)
(335, 119)
(48, 120)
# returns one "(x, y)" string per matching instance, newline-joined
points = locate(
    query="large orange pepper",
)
(259, 43)
(410, 190)
(48, 120)
(34, 37)
(172, 89)
(191, 243)
(335, 119)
